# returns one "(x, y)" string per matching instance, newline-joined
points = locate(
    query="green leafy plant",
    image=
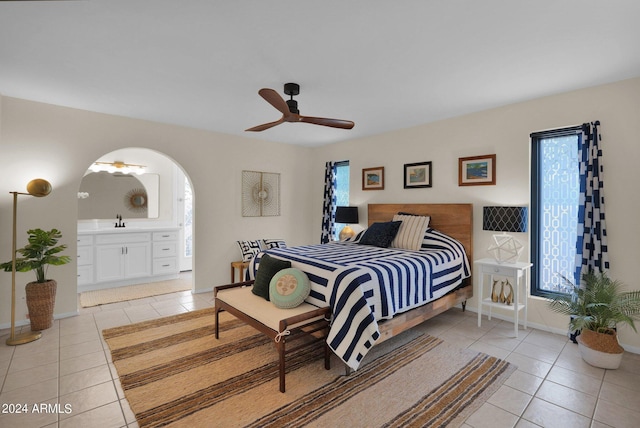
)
(41, 251)
(599, 306)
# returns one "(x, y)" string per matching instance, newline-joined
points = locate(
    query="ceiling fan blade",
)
(265, 126)
(334, 123)
(274, 98)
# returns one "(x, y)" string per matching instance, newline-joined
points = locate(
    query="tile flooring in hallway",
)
(70, 366)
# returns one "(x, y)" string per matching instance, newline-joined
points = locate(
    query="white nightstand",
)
(517, 271)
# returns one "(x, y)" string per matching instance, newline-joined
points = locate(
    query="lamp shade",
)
(39, 187)
(504, 219)
(347, 215)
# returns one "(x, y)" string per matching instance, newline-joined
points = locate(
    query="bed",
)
(375, 293)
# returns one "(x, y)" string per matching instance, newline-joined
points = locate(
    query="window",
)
(341, 190)
(555, 188)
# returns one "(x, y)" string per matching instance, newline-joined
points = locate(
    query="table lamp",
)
(505, 248)
(347, 216)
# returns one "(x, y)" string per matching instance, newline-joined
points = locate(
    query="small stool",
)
(238, 265)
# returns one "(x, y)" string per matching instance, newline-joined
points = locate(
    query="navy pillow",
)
(267, 268)
(380, 234)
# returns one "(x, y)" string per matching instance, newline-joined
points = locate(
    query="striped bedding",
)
(365, 284)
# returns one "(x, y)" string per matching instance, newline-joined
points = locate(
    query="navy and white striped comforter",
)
(364, 284)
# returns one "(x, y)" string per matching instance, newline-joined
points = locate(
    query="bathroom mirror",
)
(103, 196)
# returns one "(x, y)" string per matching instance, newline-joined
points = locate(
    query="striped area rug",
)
(175, 373)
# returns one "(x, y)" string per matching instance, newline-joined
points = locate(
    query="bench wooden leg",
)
(281, 351)
(217, 323)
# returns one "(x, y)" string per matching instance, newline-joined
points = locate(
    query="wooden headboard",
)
(455, 220)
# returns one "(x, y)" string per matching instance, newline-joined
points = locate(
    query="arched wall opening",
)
(157, 211)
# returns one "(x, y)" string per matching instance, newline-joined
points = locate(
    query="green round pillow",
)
(288, 288)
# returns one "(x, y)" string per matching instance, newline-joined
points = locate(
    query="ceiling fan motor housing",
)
(292, 89)
(293, 106)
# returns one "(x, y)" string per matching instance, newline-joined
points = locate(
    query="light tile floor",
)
(70, 367)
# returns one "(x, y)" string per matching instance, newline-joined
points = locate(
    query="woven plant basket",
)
(41, 298)
(600, 349)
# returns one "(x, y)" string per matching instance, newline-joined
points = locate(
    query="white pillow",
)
(249, 249)
(411, 231)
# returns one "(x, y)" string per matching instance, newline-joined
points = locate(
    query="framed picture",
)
(373, 178)
(260, 194)
(417, 175)
(477, 170)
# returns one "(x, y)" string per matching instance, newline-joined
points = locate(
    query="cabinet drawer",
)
(499, 270)
(122, 238)
(85, 256)
(85, 240)
(165, 266)
(85, 275)
(165, 236)
(164, 249)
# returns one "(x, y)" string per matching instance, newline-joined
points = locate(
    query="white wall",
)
(58, 144)
(505, 132)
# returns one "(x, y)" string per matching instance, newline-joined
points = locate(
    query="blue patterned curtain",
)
(591, 248)
(329, 206)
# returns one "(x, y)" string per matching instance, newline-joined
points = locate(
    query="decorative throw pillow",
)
(288, 288)
(249, 249)
(411, 232)
(380, 234)
(267, 267)
(274, 243)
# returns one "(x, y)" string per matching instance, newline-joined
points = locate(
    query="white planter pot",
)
(600, 359)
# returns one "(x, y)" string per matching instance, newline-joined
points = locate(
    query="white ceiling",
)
(384, 64)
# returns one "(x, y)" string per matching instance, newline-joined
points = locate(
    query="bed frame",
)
(455, 220)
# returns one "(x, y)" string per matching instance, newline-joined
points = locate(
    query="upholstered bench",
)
(281, 325)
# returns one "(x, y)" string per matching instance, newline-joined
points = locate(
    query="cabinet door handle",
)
(166, 265)
(166, 249)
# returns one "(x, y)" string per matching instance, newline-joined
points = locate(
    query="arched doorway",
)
(119, 201)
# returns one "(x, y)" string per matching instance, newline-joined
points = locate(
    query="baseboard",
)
(66, 315)
(544, 327)
(22, 323)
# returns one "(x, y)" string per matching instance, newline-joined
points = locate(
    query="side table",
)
(241, 266)
(519, 271)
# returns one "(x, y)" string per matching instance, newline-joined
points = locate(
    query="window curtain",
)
(591, 248)
(329, 206)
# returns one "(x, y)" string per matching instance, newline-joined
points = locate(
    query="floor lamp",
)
(37, 188)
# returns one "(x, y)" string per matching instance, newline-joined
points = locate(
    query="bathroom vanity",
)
(125, 256)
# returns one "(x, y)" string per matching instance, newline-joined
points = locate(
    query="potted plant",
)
(41, 251)
(595, 310)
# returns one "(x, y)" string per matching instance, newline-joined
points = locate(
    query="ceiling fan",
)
(290, 112)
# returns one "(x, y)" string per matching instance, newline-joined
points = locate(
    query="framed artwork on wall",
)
(477, 170)
(417, 175)
(260, 194)
(373, 178)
